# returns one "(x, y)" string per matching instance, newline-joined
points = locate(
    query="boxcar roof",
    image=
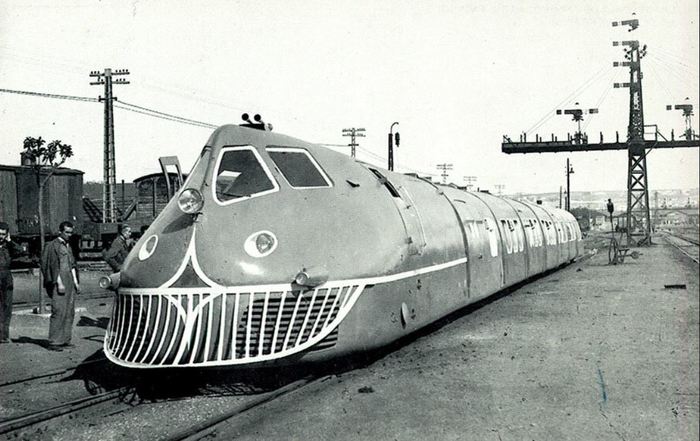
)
(59, 170)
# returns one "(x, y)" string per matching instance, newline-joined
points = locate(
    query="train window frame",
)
(185, 184)
(275, 186)
(492, 236)
(313, 161)
(508, 239)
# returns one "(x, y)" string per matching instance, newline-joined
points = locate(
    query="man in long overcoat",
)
(8, 250)
(60, 272)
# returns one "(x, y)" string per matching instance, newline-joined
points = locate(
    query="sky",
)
(456, 75)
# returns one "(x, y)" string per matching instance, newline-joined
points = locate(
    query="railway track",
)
(50, 374)
(210, 426)
(689, 246)
(33, 422)
(36, 422)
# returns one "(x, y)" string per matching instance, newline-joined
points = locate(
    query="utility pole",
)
(470, 181)
(560, 190)
(499, 188)
(353, 133)
(393, 137)
(569, 171)
(444, 168)
(110, 181)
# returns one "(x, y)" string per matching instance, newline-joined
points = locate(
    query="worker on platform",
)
(120, 248)
(60, 272)
(8, 250)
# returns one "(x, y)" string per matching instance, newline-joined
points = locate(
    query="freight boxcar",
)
(19, 199)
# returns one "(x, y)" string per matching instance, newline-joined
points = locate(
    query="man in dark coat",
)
(8, 250)
(61, 282)
(120, 248)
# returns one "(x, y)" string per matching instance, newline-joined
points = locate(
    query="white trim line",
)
(278, 286)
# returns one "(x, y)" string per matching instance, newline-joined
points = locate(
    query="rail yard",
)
(413, 282)
(591, 351)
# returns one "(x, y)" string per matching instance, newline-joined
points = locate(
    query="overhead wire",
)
(602, 98)
(679, 77)
(680, 84)
(51, 95)
(179, 118)
(118, 104)
(154, 115)
(578, 90)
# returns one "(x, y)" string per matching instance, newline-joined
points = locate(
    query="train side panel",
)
(485, 260)
(512, 238)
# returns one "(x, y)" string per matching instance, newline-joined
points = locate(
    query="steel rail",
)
(696, 259)
(50, 373)
(28, 420)
(206, 428)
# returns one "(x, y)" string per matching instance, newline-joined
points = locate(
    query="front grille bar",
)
(223, 326)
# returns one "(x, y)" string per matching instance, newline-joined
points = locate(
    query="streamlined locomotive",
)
(279, 251)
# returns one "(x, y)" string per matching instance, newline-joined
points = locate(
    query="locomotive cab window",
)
(298, 167)
(241, 173)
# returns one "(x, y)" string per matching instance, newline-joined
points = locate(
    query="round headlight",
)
(264, 242)
(190, 201)
(260, 244)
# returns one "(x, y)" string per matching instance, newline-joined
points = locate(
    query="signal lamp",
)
(190, 201)
(110, 282)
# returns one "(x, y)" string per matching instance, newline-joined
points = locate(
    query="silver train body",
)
(278, 251)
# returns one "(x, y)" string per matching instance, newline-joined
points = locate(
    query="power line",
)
(143, 110)
(578, 90)
(51, 95)
(187, 120)
(154, 115)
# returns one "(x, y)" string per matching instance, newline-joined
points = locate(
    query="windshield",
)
(298, 167)
(240, 173)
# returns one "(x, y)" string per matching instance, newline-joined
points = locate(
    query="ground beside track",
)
(604, 353)
(591, 352)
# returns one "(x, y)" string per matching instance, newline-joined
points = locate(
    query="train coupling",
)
(110, 282)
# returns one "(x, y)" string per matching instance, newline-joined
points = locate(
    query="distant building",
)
(676, 216)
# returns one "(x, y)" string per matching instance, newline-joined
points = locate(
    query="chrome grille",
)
(193, 327)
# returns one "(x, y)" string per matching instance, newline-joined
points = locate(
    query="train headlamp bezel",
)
(255, 247)
(190, 201)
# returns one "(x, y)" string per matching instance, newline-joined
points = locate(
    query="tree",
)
(44, 160)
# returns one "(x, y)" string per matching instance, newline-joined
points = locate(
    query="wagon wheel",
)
(613, 251)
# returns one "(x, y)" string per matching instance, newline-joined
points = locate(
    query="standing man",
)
(60, 274)
(611, 208)
(8, 250)
(119, 249)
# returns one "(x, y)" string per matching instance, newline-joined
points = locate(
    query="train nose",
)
(220, 326)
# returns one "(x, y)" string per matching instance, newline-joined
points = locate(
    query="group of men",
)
(60, 276)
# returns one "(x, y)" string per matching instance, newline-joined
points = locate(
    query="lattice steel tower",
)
(638, 219)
